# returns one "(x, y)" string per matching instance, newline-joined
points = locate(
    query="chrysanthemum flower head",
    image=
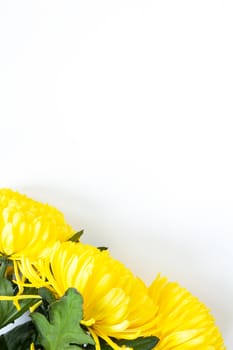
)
(29, 228)
(182, 321)
(116, 303)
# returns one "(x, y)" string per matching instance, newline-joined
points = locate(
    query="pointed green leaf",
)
(76, 236)
(62, 330)
(145, 343)
(7, 307)
(25, 304)
(47, 295)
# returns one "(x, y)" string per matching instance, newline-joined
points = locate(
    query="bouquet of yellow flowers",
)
(78, 296)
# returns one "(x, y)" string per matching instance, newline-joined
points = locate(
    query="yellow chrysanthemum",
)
(116, 303)
(182, 321)
(29, 228)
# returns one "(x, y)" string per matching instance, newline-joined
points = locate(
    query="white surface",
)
(119, 113)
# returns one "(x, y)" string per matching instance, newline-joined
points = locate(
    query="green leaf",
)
(46, 295)
(3, 344)
(4, 263)
(145, 343)
(76, 236)
(7, 307)
(62, 330)
(25, 304)
(18, 338)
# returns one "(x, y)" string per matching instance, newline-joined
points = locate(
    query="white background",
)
(119, 113)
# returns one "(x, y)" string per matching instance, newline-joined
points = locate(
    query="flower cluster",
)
(79, 296)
